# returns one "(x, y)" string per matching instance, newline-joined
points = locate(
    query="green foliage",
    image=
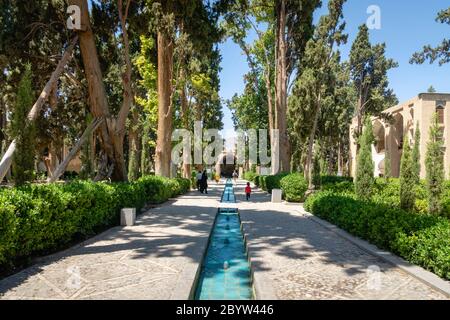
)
(335, 179)
(316, 174)
(364, 180)
(262, 182)
(257, 181)
(421, 239)
(133, 166)
(250, 176)
(273, 182)
(294, 187)
(407, 178)
(416, 155)
(369, 67)
(387, 165)
(440, 53)
(434, 162)
(38, 219)
(24, 132)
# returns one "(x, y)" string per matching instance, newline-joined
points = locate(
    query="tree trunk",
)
(86, 135)
(97, 93)
(7, 159)
(165, 120)
(112, 131)
(281, 87)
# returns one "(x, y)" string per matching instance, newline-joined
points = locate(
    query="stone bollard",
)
(128, 217)
(277, 196)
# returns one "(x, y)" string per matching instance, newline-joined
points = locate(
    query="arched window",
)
(440, 111)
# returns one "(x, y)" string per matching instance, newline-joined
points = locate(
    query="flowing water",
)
(226, 273)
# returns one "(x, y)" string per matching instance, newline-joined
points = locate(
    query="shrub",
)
(38, 219)
(407, 178)
(434, 162)
(257, 181)
(420, 239)
(416, 155)
(274, 182)
(262, 182)
(335, 179)
(250, 176)
(294, 187)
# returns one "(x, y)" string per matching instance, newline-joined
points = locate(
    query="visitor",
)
(204, 183)
(248, 191)
(235, 176)
(199, 180)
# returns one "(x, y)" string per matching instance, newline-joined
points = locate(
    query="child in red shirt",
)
(248, 191)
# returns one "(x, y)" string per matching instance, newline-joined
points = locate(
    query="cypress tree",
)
(316, 178)
(434, 162)
(387, 165)
(416, 156)
(365, 166)
(133, 166)
(24, 132)
(145, 155)
(407, 178)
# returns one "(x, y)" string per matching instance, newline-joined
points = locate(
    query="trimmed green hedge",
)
(257, 181)
(268, 183)
(419, 238)
(294, 187)
(39, 219)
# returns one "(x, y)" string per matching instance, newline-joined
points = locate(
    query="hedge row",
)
(294, 186)
(39, 219)
(419, 238)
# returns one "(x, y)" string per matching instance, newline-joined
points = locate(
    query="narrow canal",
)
(226, 273)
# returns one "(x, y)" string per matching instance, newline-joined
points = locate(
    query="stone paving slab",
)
(158, 258)
(295, 258)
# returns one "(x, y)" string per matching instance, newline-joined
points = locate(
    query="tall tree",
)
(23, 131)
(317, 64)
(416, 156)
(434, 163)
(407, 178)
(293, 29)
(364, 180)
(440, 53)
(369, 68)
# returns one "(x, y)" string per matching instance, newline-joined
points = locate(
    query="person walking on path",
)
(199, 180)
(235, 176)
(204, 183)
(248, 191)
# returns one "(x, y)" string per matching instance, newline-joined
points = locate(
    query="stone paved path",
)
(156, 259)
(293, 257)
(300, 259)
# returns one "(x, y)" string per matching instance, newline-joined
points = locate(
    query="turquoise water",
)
(225, 273)
(228, 194)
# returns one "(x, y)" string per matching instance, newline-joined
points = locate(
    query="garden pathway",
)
(294, 257)
(156, 259)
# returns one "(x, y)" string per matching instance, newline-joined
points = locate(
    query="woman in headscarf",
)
(204, 183)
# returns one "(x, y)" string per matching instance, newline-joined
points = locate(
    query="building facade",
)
(404, 118)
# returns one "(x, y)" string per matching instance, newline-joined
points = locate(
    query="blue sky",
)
(405, 27)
